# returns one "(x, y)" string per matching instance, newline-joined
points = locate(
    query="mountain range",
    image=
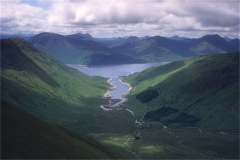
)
(75, 49)
(187, 109)
(84, 49)
(163, 49)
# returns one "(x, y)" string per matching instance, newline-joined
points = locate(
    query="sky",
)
(118, 18)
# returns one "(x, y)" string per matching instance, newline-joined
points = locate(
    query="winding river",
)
(119, 89)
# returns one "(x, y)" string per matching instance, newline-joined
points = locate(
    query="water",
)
(121, 88)
(113, 72)
(118, 88)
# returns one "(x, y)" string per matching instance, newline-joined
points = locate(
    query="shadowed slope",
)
(204, 90)
(25, 137)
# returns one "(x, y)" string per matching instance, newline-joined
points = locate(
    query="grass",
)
(26, 137)
(204, 87)
(44, 87)
(198, 102)
(206, 82)
(41, 85)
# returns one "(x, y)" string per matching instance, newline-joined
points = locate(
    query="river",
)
(119, 89)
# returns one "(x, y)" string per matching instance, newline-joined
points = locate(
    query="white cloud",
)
(135, 17)
(18, 17)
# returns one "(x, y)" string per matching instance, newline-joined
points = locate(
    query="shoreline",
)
(110, 103)
(106, 95)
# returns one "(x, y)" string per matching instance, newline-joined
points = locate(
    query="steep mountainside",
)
(201, 92)
(40, 84)
(77, 50)
(177, 38)
(25, 137)
(129, 40)
(163, 49)
(43, 86)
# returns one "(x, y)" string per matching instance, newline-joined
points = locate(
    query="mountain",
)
(129, 40)
(148, 49)
(113, 42)
(235, 42)
(218, 42)
(24, 136)
(109, 41)
(201, 91)
(43, 86)
(177, 38)
(24, 36)
(76, 51)
(163, 49)
(227, 39)
(188, 109)
(80, 36)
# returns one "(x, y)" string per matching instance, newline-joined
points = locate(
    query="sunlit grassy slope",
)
(24, 136)
(43, 86)
(202, 92)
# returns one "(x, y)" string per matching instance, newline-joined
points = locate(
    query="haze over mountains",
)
(77, 49)
(85, 49)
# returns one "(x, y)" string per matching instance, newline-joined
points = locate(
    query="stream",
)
(115, 97)
(116, 94)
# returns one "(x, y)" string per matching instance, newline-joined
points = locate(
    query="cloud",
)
(117, 18)
(18, 17)
(221, 13)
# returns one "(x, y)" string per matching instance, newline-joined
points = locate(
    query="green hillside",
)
(200, 92)
(43, 86)
(189, 109)
(74, 50)
(25, 137)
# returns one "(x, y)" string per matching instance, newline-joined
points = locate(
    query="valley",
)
(184, 135)
(137, 111)
(124, 80)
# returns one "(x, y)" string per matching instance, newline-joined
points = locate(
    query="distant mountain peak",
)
(48, 34)
(227, 39)
(212, 36)
(176, 37)
(81, 36)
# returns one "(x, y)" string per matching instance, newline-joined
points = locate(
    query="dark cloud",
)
(216, 17)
